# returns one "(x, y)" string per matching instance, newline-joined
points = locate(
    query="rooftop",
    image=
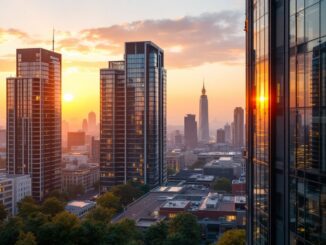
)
(79, 204)
(176, 204)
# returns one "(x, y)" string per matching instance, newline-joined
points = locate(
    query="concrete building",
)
(34, 119)
(228, 133)
(80, 208)
(84, 175)
(224, 167)
(14, 188)
(175, 160)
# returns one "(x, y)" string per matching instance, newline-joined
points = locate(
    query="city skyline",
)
(82, 56)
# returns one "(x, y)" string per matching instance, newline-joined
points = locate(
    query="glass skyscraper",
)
(133, 117)
(286, 121)
(34, 119)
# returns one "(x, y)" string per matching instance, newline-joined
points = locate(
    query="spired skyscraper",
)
(133, 117)
(203, 117)
(34, 119)
(286, 122)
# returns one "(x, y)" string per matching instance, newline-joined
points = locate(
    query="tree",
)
(34, 222)
(222, 185)
(156, 234)
(109, 200)
(27, 206)
(233, 237)
(127, 193)
(62, 229)
(10, 231)
(100, 214)
(90, 233)
(184, 229)
(123, 233)
(3, 212)
(26, 239)
(52, 206)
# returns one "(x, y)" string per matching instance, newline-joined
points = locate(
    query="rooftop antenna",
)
(53, 40)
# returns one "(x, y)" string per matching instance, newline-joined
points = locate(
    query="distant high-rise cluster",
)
(133, 117)
(34, 119)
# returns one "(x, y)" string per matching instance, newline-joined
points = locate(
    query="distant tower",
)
(228, 133)
(92, 122)
(203, 116)
(238, 137)
(85, 125)
(190, 131)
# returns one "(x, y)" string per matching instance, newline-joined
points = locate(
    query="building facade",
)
(286, 121)
(203, 117)
(76, 139)
(14, 188)
(190, 131)
(133, 117)
(34, 119)
(238, 131)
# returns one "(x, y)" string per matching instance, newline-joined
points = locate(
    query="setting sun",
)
(68, 97)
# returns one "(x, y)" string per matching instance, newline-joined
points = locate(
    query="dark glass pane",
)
(300, 5)
(312, 22)
(300, 80)
(323, 17)
(300, 27)
(292, 31)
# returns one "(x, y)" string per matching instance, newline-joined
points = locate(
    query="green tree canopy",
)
(3, 212)
(52, 206)
(101, 214)
(110, 201)
(157, 234)
(11, 230)
(127, 193)
(233, 237)
(222, 185)
(184, 229)
(123, 233)
(27, 206)
(26, 239)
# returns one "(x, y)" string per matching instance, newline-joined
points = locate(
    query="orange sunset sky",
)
(201, 39)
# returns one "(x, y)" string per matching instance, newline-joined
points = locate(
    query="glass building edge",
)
(297, 123)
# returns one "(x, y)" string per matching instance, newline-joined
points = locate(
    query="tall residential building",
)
(203, 117)
(133, 117)
(220, 136)
(190, 131)
(286, 122)
(228, 133)
(34, 119)
(92, 122)
(238, 132)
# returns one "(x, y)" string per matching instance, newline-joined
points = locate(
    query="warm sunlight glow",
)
(68, 97)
